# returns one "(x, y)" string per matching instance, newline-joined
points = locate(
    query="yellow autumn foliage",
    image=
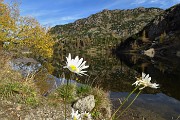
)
(7, 24)
(32, 35)
(24, 31)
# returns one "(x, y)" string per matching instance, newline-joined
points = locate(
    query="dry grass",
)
(13, 87)
(103, 104)
(6, 74)
(102, 108)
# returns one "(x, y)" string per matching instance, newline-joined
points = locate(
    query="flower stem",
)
(130, 104)
(123, 103)
(65, 108)
(65, 99)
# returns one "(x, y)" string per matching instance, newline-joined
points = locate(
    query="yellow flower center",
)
(86, 115)
(74, 118)
(73, 68)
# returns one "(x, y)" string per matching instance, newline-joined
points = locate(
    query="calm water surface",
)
(116, 73)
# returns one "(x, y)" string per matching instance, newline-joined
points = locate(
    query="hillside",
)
(162, 34)
(104, 29)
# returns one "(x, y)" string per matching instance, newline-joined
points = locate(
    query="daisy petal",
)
(145, 81)
(76, 65)
(79, 62)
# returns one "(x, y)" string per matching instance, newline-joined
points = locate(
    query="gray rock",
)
(25, 65)
(85, 104)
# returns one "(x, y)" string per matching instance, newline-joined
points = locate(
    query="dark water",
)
(116, 73)
(164, 71)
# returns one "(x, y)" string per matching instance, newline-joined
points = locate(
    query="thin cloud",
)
(40, 13)
(176, 1)
(117, 2)
(66, 11)
(66, 18)
(159, 3)
(154, 1)
(59, 20)
(137, 2)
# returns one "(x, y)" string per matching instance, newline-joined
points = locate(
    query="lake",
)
(116, 73)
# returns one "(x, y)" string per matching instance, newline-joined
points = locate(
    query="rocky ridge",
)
(107, 27)
(162, 33)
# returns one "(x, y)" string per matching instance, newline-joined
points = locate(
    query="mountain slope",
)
(169, 21)
(105, 28)
(163, 34)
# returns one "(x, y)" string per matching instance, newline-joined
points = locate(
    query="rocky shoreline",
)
(15, 111)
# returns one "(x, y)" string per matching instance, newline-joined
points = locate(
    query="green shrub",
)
(83, 90)
(64, 91)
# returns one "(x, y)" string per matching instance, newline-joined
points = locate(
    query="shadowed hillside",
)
(162, 34)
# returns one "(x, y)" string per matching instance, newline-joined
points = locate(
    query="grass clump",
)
(13, 87)
(102, 104)
(83, 90)
(20, 93)
(62, 92)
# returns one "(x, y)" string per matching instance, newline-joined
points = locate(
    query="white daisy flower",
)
(76, 65)
(145, 81)
(86, 116)
(75, 115)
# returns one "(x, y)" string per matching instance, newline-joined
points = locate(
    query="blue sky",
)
(55, 12)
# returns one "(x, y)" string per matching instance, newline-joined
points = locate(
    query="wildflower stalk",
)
(67, 94)
(130, 104)
(123, 102)
(65, 108)
(66, 97)
(75, 66)
(65, 100)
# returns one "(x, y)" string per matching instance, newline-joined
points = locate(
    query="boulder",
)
(85, 104)
(150, 52)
